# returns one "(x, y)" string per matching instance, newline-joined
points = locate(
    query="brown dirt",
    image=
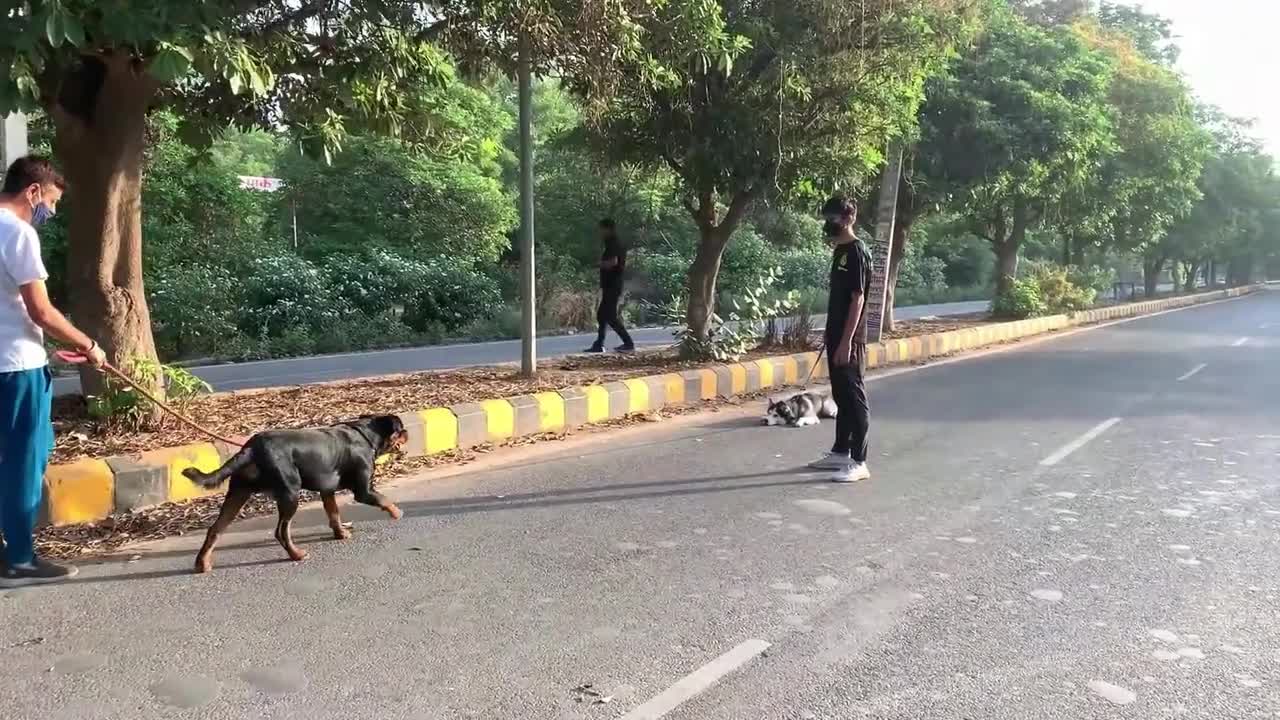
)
(247, 412)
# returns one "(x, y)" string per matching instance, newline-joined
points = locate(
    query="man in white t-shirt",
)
(29, 197)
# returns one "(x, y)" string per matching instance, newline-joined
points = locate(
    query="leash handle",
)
(75, 358)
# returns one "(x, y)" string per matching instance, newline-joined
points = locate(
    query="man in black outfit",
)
(846, 343)
(613, 262)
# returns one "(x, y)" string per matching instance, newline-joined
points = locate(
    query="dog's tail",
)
(229, 468)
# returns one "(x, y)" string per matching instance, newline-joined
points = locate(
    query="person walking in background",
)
(30, 195)
(846, 343)
(613, 263)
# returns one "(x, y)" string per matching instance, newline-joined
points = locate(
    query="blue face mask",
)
(40, 214)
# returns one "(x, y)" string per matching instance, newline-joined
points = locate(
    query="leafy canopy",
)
(781, 97)
(1017, 122)
(321, 67)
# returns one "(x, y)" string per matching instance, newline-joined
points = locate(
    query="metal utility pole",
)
(528, 320)
(13, 139)
(886, 215)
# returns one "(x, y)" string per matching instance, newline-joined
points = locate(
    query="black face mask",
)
(832, 228)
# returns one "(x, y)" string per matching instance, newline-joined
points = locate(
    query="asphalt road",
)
(1082, 527)
(296, 371)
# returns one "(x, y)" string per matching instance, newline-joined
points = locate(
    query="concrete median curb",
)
(94, 488)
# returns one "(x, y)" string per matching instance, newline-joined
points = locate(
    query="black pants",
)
(849, 390)
(607, 316)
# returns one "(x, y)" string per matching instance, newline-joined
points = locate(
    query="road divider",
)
(93, 488)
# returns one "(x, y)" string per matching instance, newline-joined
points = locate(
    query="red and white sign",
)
(261, 184)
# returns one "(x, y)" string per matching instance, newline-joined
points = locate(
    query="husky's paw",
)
(807, 422)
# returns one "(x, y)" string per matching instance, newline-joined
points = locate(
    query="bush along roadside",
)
(91, 489)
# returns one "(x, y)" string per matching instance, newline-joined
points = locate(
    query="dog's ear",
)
(386, 425)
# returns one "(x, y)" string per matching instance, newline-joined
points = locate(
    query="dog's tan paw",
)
(394, 512)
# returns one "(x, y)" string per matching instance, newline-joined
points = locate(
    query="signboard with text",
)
(261, 184)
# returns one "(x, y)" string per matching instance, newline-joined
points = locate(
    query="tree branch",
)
(737, 208)
(306, 11)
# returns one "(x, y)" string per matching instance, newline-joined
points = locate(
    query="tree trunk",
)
(897, 251)
(1066, 250)
(702, 279)
(1151, 268)
(1006, 266)
(101, 152)
(1007, 249)
(713, 237)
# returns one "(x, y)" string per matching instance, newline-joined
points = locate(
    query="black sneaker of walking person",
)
(628, 348)
(594, 350)
(40, 572)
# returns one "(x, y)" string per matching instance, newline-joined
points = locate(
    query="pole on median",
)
(528, 321)
(886, 214)
(13, 138)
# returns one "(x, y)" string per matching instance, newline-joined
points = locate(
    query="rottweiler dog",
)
(286, 462)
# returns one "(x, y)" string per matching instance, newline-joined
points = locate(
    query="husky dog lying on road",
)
(800, 410)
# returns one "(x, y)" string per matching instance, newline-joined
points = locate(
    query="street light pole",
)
(528, 321)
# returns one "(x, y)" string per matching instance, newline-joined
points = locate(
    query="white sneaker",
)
(832, 461)
(856, 472)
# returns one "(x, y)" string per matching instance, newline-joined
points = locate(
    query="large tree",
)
(320, 67)
(778, 99)
(1235, 220)
(1150, 182)
(1017, 122)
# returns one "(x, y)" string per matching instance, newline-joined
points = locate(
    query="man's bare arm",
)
(42, 312)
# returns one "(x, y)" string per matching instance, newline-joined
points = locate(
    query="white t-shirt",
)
(21, 340)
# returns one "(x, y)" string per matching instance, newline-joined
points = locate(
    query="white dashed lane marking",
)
(1063, 452)
(699, 680)
(1192, 372)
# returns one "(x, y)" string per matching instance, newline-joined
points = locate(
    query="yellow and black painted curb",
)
(93, 489)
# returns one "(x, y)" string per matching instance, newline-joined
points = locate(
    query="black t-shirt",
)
(850, 275)
(611, 278)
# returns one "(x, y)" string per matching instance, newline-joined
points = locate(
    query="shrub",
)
(1057, 292)
(1022, 300)
(193, 309)
(659, 276)
(287, 294)
(452, 295)
(806, 269)
(121, 406)
(745, 329)
(1098, 279)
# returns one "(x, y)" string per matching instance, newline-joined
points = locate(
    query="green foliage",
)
(1058, 294)
(195, 308)
(1019, 301)
(1095, 278)
(1018, 121)
(1150, 181)
(378, 194)
(121, 406)
(743, 331)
